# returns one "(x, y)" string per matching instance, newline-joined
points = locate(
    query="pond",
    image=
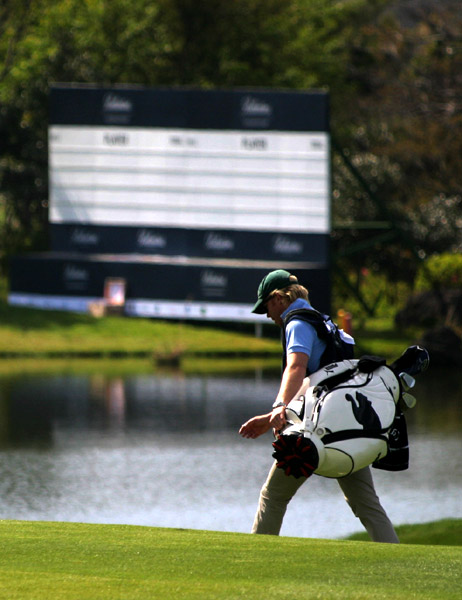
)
(162, 449)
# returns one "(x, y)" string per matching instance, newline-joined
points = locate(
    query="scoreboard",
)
(209, 180)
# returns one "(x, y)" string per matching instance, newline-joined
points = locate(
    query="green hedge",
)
(442, 269)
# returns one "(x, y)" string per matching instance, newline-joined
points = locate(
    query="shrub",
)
(443, 270)
(368, 293)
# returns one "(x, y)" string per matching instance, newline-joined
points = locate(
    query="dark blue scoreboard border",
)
(173, 241)
(252, 109)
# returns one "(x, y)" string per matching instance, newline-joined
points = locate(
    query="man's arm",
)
(291, 382)
(293, 376)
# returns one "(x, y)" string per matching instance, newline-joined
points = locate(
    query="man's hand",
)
(278, 418)
(260, 424)
(256, 426)
(292, 380)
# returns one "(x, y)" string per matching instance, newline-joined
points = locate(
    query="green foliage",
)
(444, 270)
(367, 293)
(112, 562)
(403, 139)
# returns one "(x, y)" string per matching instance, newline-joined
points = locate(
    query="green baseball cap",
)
(276, 280)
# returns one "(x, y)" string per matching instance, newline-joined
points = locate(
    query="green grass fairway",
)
(66, 561)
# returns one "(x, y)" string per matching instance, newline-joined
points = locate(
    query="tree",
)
(215, 43)
(403, 136)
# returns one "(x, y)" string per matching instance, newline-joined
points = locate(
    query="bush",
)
(368, 294)
(442, 270)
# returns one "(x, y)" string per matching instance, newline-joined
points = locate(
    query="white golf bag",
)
(340, 420)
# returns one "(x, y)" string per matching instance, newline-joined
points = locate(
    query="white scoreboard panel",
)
(240, 180)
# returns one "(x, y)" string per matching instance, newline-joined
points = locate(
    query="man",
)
(279, 294)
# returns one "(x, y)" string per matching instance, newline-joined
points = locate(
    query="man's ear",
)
(282, 300)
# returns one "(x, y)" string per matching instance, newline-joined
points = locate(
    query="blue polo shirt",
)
(302, 337)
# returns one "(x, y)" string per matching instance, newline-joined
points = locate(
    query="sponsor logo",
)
(75, 273)
(285, 245)
(115, 103)
(217, 241)
(213, 279)
(213, 283)
(148, 239)
(255, 107)
(83, 237)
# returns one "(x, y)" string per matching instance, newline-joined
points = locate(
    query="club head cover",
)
(295, 455)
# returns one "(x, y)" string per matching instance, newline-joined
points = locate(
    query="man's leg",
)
(361, 496)
(275, 495)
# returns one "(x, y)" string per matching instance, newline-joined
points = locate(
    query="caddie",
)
(286, 302)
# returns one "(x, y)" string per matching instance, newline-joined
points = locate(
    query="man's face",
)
(275, 306)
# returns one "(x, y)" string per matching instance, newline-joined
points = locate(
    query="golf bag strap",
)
(336, 349)
(332, 381)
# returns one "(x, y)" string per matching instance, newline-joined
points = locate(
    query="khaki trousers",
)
(359, 492)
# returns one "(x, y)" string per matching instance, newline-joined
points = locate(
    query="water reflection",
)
(35, 408)
(163, 450)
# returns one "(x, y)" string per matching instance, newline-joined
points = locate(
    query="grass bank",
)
(29, 332)
(108, 562)
(34, 333)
